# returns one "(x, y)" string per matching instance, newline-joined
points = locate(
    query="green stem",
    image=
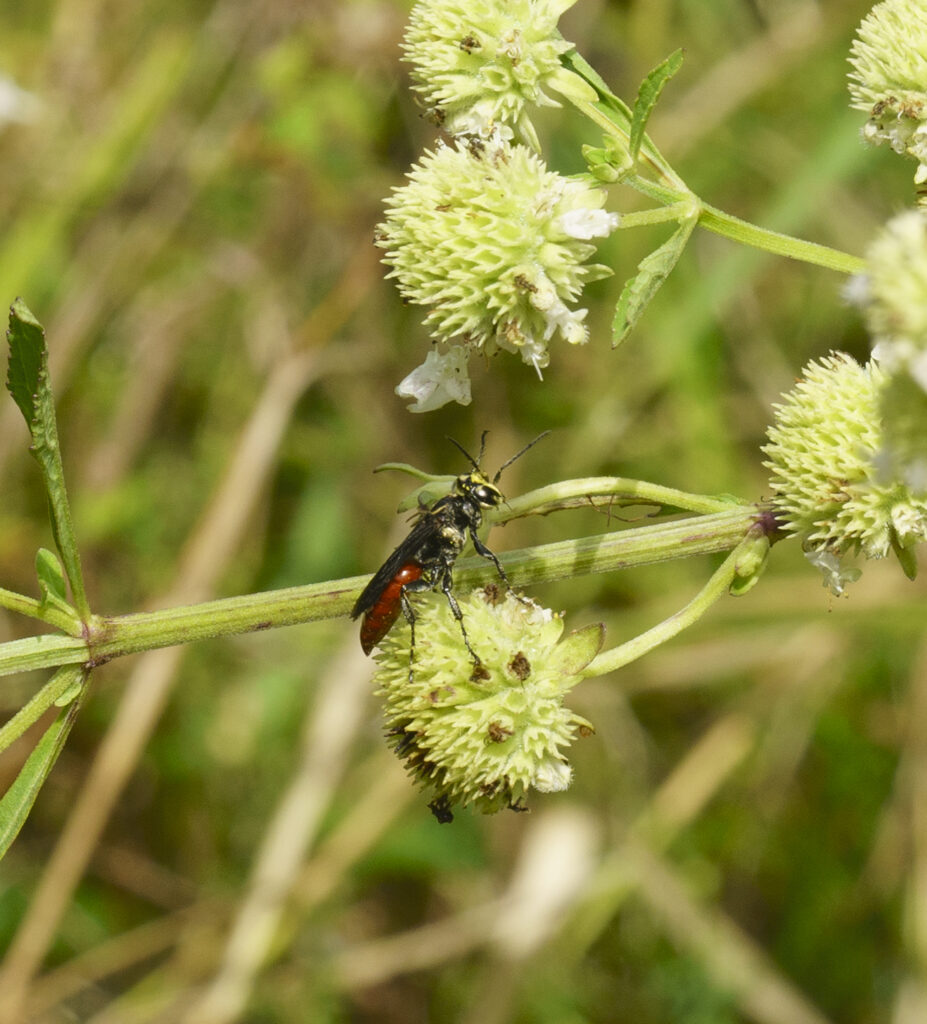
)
(36, 610)
(772, 241)
(619, 490)
(715, 588)
(45, 651)
(625, 549)
(112, 637)
(127, 634)
(677, 211)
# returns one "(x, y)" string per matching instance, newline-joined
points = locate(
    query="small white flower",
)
(552, 776)
(585, 223)
(836, 576)
(442, 378)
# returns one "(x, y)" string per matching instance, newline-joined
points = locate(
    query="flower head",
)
(478, 63)
(495, 245)
(484, 734)
(895, 307)
(825, 453)
(895, 301)
(889, 77)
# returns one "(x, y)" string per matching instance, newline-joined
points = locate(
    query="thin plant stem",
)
(715, 588)
(112, 637)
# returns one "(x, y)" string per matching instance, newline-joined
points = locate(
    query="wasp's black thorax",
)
(455, 517)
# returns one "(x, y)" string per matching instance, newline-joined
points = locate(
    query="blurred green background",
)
(188, 205)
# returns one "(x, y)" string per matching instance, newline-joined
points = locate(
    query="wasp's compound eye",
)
(486, 495)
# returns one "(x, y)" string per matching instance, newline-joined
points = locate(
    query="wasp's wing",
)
(402, 556)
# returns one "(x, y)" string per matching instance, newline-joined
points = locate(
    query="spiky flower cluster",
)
(824, 451)
(889, 78)
(479, 63)
(894, 300)
(485, 734)
(495, 245)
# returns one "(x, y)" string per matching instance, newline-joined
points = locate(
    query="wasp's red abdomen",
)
(379, 618)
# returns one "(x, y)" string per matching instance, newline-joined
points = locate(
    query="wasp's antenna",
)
(466, 454)
(517, 455)
(479, 461)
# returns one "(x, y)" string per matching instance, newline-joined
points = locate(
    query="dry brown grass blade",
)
(735, 962)
(329, 731)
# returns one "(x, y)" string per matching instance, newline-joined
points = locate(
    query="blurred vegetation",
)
(190, 212)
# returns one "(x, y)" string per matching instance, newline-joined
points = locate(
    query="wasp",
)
(425, 559)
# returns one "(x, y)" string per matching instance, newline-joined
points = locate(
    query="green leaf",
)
(28, 360)
(28, 382)
(575, 62)
(652, 271)
(577, 649)
(60, 690)
(907, 557)
(18, 800)
(52, 584)
(54, 590)
(647, 97)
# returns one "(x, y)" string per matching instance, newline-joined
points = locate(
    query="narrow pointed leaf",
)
(18, 800)
(647, 97)
(50, 575)
(28, 359)
(28, 382)
(60, 690)
(652, 271)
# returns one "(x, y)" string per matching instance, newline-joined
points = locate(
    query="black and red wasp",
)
(425, 559)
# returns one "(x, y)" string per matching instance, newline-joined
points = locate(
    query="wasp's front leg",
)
(446, 584)
(484, 551)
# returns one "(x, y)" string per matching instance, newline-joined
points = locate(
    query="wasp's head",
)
(478, 489)
(475, 486)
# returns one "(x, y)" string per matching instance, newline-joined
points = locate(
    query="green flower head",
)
(479, 63)
(889, 78)
(894, 300)
(484, 734)
(895, 294)
(830, 483)
(495, 245)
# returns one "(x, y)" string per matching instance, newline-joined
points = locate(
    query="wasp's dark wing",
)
(421, 532)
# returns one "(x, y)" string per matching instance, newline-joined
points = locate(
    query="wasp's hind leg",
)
(409, 614)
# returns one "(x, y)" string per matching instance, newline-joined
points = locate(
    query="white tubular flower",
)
(479, 63)
(485, 734)
(495, 245)
(828, 480)
(439, 380)
(889, 78)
